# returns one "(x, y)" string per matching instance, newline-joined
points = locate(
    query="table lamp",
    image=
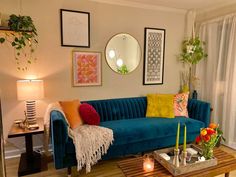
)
(30, 91)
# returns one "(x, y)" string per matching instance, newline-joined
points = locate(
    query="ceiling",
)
(200, 5)
(185, 4)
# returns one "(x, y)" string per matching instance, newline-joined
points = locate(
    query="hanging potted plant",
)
(192, 53)
(23, 38)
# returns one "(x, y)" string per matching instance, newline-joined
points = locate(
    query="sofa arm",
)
(59, 137)
(199, 110)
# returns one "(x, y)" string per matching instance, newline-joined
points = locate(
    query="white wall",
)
(55, 62)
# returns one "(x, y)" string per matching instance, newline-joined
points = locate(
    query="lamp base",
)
(31, 113)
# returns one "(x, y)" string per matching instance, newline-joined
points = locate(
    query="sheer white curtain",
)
(217, 73)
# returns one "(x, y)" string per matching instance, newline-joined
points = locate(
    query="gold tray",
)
(191, 165)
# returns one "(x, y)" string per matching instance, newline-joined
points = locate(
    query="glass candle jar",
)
(148, 164)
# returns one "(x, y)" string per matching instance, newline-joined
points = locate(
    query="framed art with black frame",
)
(154, 52)
(75, 28)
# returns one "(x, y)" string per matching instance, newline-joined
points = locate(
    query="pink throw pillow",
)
(180, 104)
(89, 114)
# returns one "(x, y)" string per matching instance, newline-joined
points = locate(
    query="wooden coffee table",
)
(134, 167)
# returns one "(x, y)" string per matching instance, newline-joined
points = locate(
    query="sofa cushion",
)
(160, 105)
(89, 114)
(141, 129)
(70, 108)
(180, 104)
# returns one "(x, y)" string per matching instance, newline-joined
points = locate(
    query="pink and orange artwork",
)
(86, 68)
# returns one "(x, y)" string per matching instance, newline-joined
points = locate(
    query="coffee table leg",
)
(227, 174)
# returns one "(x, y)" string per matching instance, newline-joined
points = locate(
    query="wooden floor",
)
(102, 169)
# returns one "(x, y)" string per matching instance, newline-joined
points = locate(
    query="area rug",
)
(133, 167)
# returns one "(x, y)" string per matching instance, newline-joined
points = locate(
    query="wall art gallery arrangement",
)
(75, 32)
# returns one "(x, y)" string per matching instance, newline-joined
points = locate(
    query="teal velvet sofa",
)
(133, 132)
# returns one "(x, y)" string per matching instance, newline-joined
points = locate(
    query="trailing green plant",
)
(192, 51)
(23, 39)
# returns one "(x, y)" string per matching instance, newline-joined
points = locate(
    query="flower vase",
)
(207, 152)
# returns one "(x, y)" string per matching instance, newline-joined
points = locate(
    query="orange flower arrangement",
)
(208, 138)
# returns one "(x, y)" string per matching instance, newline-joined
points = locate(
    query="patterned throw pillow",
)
(89, 114)
(70, 108)
(160, 105)
(180, 104)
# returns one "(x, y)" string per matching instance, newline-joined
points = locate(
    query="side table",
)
(30, 161)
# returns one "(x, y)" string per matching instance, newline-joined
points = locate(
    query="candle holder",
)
(148, 163)
(184, 157)
(176, 157)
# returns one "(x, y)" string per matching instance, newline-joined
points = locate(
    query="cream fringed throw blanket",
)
(91, 142)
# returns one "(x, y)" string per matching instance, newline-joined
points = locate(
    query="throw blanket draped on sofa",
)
(91, 142)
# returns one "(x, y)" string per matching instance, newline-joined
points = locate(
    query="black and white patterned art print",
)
(154, 50)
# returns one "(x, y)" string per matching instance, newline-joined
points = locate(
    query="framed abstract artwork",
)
(75, 28)
(154, 52)
(86, 68)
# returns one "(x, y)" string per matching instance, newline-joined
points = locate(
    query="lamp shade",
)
(30, 89)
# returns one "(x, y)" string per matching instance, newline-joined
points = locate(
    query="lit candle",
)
(148, 164)
(185, 138)
(177, 137)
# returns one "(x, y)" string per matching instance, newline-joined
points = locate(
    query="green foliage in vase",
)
(192, 51)
(23, 39)
(123, 69)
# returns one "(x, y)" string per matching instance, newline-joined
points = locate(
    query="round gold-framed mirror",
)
(123, 53)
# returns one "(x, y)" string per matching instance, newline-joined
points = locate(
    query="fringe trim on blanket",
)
(91, 142)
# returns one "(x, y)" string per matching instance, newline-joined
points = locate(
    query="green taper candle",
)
(177, 137)
(185, 138)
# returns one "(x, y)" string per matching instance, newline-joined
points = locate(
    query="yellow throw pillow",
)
(71, 110)
(160, 105)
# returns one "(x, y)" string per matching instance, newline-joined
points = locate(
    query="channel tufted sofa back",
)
(121, 108)
(129, 108)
